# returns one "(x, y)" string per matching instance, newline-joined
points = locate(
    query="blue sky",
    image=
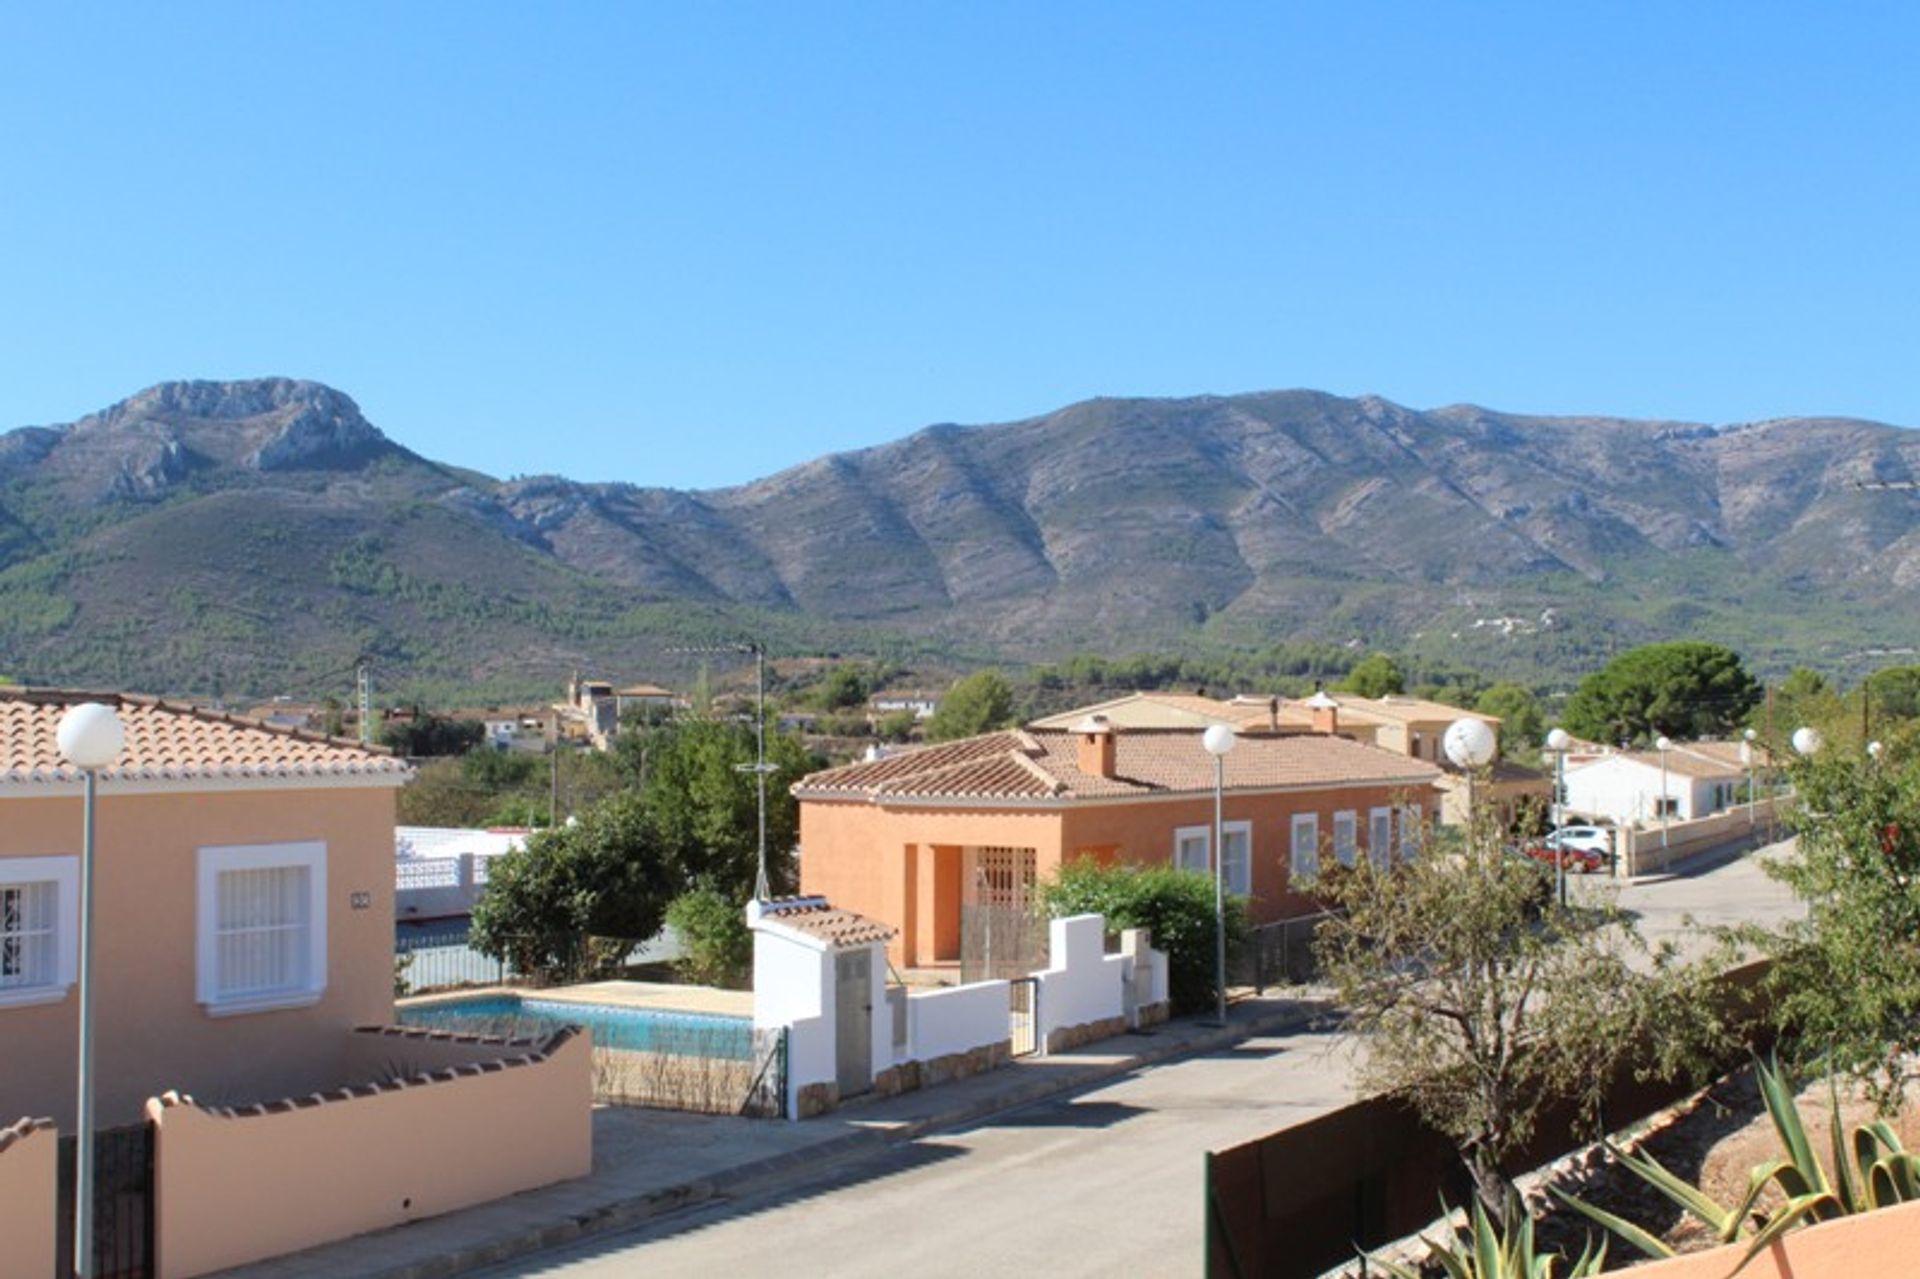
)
(693, 244)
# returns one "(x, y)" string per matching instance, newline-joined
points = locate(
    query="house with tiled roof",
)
(1690, 780)
(1409, 726)
(924, 838)
(243, 905)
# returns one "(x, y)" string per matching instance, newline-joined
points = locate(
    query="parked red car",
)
(1578, 861)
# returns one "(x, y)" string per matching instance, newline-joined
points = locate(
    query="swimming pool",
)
(614, 1026)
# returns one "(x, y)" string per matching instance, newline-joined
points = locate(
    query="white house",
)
(1632, 786)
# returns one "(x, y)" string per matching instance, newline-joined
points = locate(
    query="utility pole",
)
(762, 886)
(364, 694)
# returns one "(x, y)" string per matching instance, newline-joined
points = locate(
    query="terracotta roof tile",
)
(171, 741)
(840, 929)
(1044, 763)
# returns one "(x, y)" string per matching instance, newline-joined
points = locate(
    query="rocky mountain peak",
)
(147, 443)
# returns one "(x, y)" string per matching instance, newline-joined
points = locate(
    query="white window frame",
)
(1344, 851)
(1380, 836)
(1303, 853)
(215, 862)
(1183, 837)
(64, 874)
(1238, 870)
(1412, 833)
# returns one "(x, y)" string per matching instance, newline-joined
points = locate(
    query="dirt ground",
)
(1716, 1147)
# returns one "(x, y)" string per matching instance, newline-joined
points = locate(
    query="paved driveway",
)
(1104, 1183)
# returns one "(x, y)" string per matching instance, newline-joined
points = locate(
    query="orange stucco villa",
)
(913, 837)
(243, 906)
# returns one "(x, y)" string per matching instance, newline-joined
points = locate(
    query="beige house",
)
(1408, 726)
(243, 910)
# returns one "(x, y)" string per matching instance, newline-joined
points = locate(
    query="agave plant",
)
(1872, 1170)
(1491, 1253)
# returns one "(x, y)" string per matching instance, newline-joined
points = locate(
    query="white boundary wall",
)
(793, 987)
(1084, 983)
(956, 1020)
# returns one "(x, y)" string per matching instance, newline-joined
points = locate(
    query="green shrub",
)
(1177, 905)
(716, 944)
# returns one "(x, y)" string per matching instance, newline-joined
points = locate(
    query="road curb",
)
(626, 1213)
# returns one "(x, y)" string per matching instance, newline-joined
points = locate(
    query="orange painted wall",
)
(1874, 1243)
(150, 1032)
(1144, 833)
(865, 858)
(885, 862)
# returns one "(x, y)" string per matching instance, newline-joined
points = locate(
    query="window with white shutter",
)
(1306, 846)
(1346, 836)
(1236, 856)
(1190, 849)
(263, 927)
(1380, 836)
(39, 922)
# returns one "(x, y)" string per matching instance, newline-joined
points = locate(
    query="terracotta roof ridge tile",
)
(1031, 765)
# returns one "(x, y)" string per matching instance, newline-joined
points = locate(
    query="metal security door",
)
(853, 1019)
(1002, 933)
(122, 1204)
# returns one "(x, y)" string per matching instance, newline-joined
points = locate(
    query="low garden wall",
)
(1083, 994)
(1873, 1243)
(929, 1037)
(1301, 1200)
(1644, 852)
(234, 1185)
(29, 1162)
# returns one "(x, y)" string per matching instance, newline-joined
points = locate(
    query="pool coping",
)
(617, 995)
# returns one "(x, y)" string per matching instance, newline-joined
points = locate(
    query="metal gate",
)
(122, 1203)
(1023, 1016)
(1002, 933)
(853, 1016)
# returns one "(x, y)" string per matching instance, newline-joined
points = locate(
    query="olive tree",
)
(1482, 1003)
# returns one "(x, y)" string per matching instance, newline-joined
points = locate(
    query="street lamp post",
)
(1746, 760)
(1218, 740)
(1558, 742)
(1664, 745)
(90, 737)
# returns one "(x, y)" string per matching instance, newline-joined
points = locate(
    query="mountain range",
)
(259, 536)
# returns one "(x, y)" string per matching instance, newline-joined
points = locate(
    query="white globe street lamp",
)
(90, 737)
(1470, 744)
(1874, 749)
(1807, 740)
(1218, 740)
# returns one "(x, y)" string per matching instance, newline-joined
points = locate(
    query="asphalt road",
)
(1107, 1182)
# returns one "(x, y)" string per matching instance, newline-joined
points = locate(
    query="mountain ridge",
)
(1113, 523)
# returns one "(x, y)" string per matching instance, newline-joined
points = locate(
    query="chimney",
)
(1096, 746)
(1326, 713)
(1273, 714)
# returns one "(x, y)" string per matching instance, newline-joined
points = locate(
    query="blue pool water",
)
(635, 1029)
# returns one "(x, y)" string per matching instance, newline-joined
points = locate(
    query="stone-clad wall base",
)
(1155, 1014)
(911, 1075)
(1061, 1038)
(817, 1099)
